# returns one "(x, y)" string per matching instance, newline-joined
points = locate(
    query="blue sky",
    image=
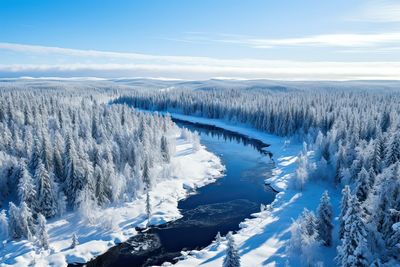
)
(308, 39)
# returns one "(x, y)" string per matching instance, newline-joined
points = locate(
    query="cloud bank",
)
(117, 64)
(338, 40)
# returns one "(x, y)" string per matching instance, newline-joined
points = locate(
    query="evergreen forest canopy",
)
(355, 137)
(62, 150)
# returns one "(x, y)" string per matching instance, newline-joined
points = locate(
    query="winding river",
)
(217, 207)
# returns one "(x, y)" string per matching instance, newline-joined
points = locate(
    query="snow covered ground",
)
(262, 240)
(190, 168)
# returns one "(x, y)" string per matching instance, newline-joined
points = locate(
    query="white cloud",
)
(338, 40)
(50, 50)
(286, 70)
(192, 67)
(379, 11)
(323, 40)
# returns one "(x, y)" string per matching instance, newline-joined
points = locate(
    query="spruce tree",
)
(218, 238)
(75, 241)
(310, 222)
(70, 161)
(146, 174)
(41, 233)
(148, 207)
(354, 250)
(165, 150)
(26, 221)
(393, 149)
(372, 177)
(324, 218)
(58, 168)
(387, 199)
(394, 240)
(101, 186)
(304, 239)
(362, 185)
(377, 156)
(46, 152)
(46, 196)
(15, 229)
(344, 205)
(35, 156)
(4, 227)
(232, 258)
(26, 187)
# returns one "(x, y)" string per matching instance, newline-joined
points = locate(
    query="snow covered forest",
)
(354, 137)
(64, 149)
(61, 150)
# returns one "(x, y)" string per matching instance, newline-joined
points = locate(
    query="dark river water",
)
(217, 207)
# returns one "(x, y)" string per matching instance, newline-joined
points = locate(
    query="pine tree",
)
(304, 239)
(26, 187)
(75, 241)
(123, 116)
(46, 153)
(41, 233)
(4, 235)
(26, 221)
(310, 222)
(218, 239)
(302, 170)
(61, 203)
(143, 131)
(387, 198)
(95, 131)
(73, 184)
(27, 116)
(147, 179)
(393, 150)
(165, 150)
(196, 141)
(354, 250)
(102, 196)
(344, 205)
(362, 188)
(35, 156)
(148, 207)
(15, 229)
(58, 168)
(232, 258)
(372, 177)
(324, 220)
(47, 198)
(340, 159)
(87, 205)
(377, 156)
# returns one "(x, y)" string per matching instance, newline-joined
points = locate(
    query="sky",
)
(201, 39)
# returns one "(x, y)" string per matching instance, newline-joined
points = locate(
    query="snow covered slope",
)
(191, 167)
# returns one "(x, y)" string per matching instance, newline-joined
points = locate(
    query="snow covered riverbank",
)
(263, 240)
(191, 167)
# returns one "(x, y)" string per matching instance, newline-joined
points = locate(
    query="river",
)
(217, 207)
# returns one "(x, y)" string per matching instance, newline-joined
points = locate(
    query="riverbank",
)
(190, 168)
(263, 240)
